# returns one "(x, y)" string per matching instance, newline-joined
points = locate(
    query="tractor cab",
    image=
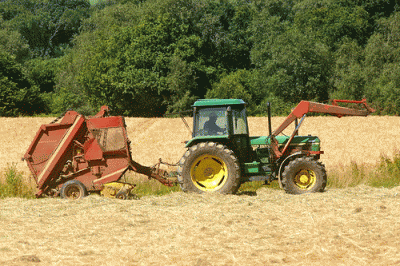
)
(223, 121)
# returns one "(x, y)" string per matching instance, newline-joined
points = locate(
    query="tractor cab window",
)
(239, 121)
(210, 122)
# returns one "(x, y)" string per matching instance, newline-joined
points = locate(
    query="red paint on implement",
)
(94, 151)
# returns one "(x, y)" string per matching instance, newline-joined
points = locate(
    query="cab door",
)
(239, 135)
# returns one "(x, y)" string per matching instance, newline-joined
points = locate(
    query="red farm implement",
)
(78, 155)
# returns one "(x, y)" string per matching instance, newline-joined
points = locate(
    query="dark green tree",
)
(12, 42)
(381, 66)
(17, 95)
(293, 65)
(47, 26)
(236, 85)
(349, 77)
(332, 20)
(161, 55)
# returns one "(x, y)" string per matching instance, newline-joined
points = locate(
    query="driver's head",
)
(213, 117)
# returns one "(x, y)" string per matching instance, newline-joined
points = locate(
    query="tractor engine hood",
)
(282, 140)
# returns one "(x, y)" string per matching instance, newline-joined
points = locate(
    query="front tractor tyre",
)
(73, 189)
(209, 167)
(304, 175)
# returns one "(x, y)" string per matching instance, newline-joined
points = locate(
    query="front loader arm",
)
(305, 107)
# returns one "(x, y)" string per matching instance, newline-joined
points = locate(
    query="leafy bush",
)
(17, 95)
(385, 174)
(14, 185)
(388, 172)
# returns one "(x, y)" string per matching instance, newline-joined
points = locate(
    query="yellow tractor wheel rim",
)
(209, 173)
(305, 179)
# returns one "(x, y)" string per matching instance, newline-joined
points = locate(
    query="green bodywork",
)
(218, 102)
(254, 153)
(309, 141)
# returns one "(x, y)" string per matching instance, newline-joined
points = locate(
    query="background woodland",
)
(149, 58)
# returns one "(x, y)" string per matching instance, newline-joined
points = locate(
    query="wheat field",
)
(344, 140)
(352, 226)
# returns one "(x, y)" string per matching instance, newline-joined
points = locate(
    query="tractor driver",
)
(211, 127)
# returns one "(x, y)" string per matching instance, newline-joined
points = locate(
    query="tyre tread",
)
(185, 181)
(290, 170)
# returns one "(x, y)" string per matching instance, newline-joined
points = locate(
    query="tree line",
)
(152, 57)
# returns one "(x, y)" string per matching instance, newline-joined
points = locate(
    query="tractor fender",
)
(284, 163)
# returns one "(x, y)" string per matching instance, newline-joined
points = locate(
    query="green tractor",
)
(222, 155)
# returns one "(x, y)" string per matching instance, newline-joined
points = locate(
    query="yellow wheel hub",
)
(209, 172)
(305, 179)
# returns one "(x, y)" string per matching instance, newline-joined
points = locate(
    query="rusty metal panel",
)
(60, 151)
(92, 150)
(106, 122)
(50, 144)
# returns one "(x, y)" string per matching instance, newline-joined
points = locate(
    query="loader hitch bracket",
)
(162, 175)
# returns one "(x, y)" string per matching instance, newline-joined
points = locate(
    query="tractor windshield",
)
(210, 121)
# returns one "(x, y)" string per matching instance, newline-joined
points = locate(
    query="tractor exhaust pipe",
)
(269, 118)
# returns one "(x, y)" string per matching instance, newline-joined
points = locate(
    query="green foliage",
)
(180, 82)
(348, 78)
(127, 68)
(14, 185)
(240, 84)
(333, 20)
(147, 188)
(42, 73)
(385, 174)
(149, 57)
(47, 25)
(279, 107)
(295, 66)
(382, 59)
(378, 8)
(388, 172)
(68, 92)
(12, 42)
(171, 52)
(39, 29)
(18, 96)
(236, 85)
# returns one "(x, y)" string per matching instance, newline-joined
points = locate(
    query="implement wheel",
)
(209, 167)
(123, 195)
(73, 189)
(304, 175)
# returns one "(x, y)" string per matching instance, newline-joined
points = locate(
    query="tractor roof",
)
(217, 102)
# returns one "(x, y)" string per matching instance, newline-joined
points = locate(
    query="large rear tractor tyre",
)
(209, 167)
(304, 175)
(73, 190)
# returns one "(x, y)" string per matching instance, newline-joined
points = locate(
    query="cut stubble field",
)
(352, 226)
